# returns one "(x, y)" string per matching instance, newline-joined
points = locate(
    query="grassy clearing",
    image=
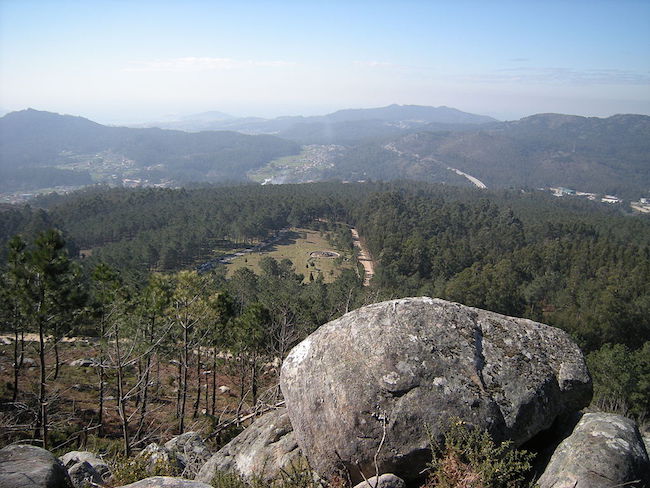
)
(297, 246)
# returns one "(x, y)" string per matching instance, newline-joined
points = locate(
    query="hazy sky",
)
(129, 60)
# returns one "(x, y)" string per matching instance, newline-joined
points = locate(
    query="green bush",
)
(130, 470)
(469, 458)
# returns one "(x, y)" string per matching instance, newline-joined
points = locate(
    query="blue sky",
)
(126, 61)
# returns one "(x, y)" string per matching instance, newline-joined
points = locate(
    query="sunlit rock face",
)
(397, 369)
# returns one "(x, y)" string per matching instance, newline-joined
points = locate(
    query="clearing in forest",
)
(309, 251)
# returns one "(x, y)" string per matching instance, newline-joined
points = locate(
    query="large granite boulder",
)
(166, 482)
(604, 450)
(393, 370)
(23, 466)
(190, 451)
(69, 459)
(262, 450)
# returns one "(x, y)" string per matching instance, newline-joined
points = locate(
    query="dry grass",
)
(297, 247)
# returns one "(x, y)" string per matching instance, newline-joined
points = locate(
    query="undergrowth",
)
(469, 458)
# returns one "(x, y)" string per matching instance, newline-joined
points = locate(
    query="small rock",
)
(71, 458)
(224, 389)
(604, 450)
(166, 482)
(83, 475)
(190, 450)
(387, 480)
(263, 449)
(23, 466)
(83, 363)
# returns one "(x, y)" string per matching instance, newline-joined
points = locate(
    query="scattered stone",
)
(71, 458)
(29, 363)
(83, 363)
(224, 389)
(191, 452)
(166, 482)
(23, 466)
(83, 475)
(604, 450)
(387, 480)
(401, 366)
(263, 449)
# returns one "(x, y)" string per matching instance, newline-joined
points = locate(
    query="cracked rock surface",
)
(392, 368)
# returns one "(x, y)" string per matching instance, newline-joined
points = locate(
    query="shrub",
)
(469, 458)
(130, 470)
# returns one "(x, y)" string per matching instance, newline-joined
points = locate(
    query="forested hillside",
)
(576, 265)
(586, 153)
(37, 145)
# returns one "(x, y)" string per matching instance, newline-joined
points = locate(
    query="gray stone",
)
(83, 475)
(23, 466)
(604, 450)
(401, 365)
(191, 452)
(387, 480)
(166, 482)
(71, 458)
(263, 449)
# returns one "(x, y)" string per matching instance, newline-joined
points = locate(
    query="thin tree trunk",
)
(120, 397)
(254, 380)
(195, 413)
(145, 387)
(185, 371)
(19, 355)
(102, 379)
(42, 387)
(214, 381)
(56, 359)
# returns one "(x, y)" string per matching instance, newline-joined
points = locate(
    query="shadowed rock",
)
(24, 466)
(604, 450)
(392, 368)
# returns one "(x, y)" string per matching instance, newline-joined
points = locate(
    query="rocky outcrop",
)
(190, 451)
(390, 369)
(71, 458)
(604, 450)
(166, 482)
(265, 447)
(24, 466)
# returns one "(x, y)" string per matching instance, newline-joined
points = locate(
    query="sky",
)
(127, 61)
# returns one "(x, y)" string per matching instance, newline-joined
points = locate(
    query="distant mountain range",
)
(343, 126)
(604, 155)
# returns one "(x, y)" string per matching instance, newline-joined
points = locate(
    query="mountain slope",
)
(610, 155)
(34, 139)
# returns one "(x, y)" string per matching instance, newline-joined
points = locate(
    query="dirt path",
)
(364, 258)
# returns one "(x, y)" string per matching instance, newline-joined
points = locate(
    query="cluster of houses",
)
(643, 205)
